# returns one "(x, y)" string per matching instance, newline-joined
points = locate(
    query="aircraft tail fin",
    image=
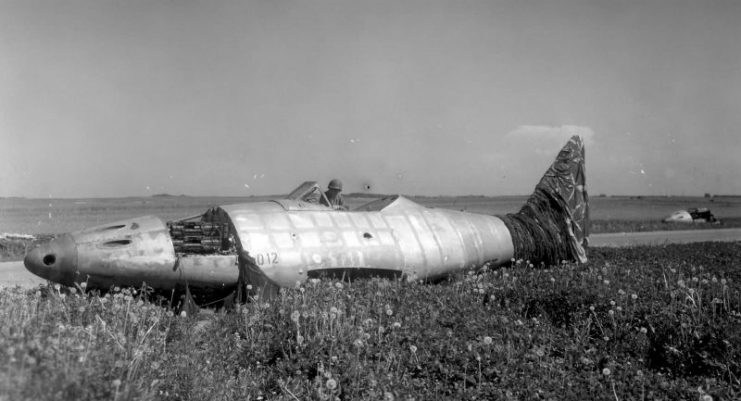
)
(553, 225)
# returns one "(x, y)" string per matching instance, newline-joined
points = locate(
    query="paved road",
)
(664, 237)
(14, 273)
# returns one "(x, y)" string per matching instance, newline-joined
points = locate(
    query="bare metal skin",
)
(289, 240)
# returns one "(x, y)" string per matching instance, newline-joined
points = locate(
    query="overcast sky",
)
(126, 98)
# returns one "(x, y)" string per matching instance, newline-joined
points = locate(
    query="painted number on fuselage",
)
(269, 258)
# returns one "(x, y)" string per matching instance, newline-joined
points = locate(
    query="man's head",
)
(335, 184)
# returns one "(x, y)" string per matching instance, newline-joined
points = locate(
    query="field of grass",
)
(640, 323)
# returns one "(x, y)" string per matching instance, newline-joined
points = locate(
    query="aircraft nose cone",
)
(54, 259)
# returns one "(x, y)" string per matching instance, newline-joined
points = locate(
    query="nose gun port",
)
(54, 259)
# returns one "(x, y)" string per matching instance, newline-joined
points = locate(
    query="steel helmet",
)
(335, 184)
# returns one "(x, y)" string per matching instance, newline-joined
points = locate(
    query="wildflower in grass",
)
(387, 396)
(358, 343)
(611, 312)
(643, 330)
(723, 281)
(83, 285)
(606, 282)
(612, 303)
(117, 383)
(621, 292)
(707, 397)
(449, 333)
(81, 309)
(553, 280)
(680, 283)
(183, 314)
(338, 285)
(619, 308)
(72, 290)
(389, 312)
(331, 384)
(295, 316)
(606, 371)
(396, 325)
(634, 296)
(606, 338)
(487, 340)
(413, 348)
(591, 308)
(519, 322)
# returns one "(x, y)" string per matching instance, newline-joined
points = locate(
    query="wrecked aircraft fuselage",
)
(287, 241)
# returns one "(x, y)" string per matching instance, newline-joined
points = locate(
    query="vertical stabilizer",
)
(553, 225)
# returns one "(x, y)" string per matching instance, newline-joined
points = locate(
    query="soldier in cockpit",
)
(333, 196)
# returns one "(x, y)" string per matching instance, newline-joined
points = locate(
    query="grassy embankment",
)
(641, 323)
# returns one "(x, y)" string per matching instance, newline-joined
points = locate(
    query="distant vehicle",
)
(692, 215)
(259, 247)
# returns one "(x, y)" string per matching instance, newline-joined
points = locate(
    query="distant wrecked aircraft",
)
(692, 215)
(255, 248)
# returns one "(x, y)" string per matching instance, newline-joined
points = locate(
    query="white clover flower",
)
(413, 348)
(606, 371)
(487, 340)
(634, 296)
(643, 330)
(295, 316)
(396, 325)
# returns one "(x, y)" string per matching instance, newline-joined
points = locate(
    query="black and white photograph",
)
(370, 200)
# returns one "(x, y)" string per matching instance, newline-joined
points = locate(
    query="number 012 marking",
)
(269, 258)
